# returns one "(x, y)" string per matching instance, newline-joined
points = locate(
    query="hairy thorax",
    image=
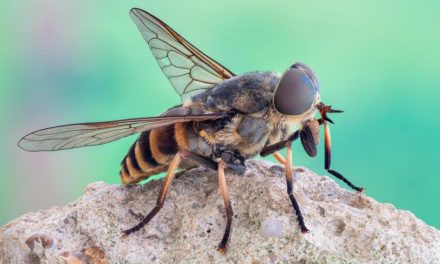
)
(248, 133)
(253, 123)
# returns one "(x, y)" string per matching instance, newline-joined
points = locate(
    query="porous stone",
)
(346, 227)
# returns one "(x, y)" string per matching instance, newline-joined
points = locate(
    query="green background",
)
(76, 61)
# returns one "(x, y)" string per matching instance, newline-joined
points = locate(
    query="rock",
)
(272, 227)
(346, 227)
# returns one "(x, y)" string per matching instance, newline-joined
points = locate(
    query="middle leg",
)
(224, 192)
(279, 158)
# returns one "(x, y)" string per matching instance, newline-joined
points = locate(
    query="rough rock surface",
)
(346, 227)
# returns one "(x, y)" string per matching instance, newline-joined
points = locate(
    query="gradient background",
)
(77, 61)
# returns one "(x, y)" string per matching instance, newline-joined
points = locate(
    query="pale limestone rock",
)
(346, 227)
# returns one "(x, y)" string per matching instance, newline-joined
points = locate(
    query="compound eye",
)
(308, 71)
(296, 91)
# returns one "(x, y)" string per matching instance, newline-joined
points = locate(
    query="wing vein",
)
(180, 55)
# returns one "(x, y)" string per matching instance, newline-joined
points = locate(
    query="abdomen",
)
(153, 151)
(149, 155)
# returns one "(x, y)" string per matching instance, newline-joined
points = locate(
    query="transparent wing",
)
(90, 134)
(189, 70)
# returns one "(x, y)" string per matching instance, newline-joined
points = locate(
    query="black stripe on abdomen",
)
(132, 155)
(168, 144)
(124, 169)
(144, 147)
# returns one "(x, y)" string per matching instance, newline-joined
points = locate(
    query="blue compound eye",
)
(296, 91)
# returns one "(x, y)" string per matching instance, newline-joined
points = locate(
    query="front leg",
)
(324, 110)
(289, 181)
(267, 150)
(327, 158)
(299, 216)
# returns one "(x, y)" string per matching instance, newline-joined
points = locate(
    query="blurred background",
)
(83, 61)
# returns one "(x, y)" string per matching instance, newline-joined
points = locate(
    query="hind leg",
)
(162, 195)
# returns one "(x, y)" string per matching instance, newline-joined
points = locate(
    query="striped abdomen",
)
(149, 155)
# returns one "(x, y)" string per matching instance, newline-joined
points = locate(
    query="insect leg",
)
(328, 156)
(279, 158)
(161, 199)
(279, 145)
(224, 192)
(289, 182)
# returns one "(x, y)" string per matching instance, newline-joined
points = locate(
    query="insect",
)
(224, 119)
